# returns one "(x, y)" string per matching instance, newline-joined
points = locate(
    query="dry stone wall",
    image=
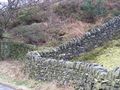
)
(84, 76)
(52, 65)
(94, 38)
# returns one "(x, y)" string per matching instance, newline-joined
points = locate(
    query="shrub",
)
(14, 23)
(1, 33)
(88, 11)
(14, 50)
(39, 17)
(32, 15)
(115, 12)
(32, 34)
(19, 50)
(24, 17)
(91, 10)
(66, 10)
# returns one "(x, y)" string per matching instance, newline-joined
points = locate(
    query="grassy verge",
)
(19, 84)
(11, 73)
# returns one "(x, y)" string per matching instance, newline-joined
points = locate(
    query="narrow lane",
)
(4, 87)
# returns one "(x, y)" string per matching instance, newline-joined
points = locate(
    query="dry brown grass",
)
(53, 86)
(13, 69)
(75, 29)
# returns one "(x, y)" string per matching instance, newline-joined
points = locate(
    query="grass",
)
(12, 82)
(11, 73)
(107, 55)
(19, 84)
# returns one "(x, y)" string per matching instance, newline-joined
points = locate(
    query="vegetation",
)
(32, 34)
(27, 25)
(19, 16)
(1, 33)
(67, 10)
(88, 11)
(107, 55)
(32, 15)
(92, 11)
(36, 23)
(14, 50)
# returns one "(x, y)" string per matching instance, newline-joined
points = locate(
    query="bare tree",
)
(4, 16)
(12, 4)
(7, 11)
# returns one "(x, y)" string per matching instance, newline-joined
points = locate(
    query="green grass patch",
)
(107, 55)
